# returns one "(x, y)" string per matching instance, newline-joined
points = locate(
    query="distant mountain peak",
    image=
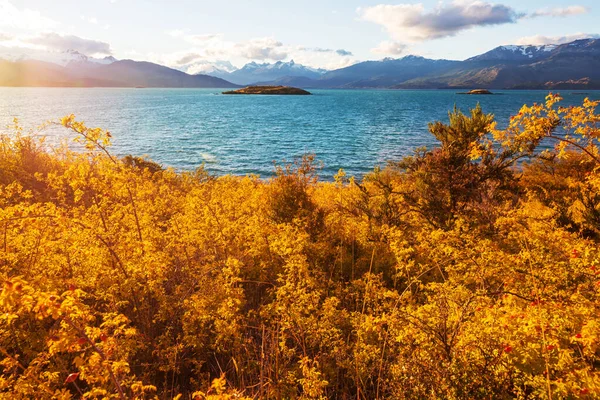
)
(205, 67)
(413, 57)
(254, 72)
(526, 50)
(410, 57)
(583, 42)
(516, 53)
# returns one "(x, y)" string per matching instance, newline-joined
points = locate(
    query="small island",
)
(478, 91)
(285, 90)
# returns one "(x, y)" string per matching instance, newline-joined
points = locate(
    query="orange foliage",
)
(467, 271)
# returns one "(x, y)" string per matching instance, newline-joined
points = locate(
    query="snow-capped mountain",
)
(209, 67)
(383, 73)
(571, 65)
(254, 72)
(516, 53)
(62, 58)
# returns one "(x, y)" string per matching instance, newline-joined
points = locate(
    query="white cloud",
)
(539, 40)
(339, 52)
(56, 42)
(188, 58)
(560, 11)
(389, 48)
(413, 23)
(13, 17)
(214, 45)
(207, 50)
(202, 39)
(317, 57)
(262, 49)
(195, 38)
(26, 27)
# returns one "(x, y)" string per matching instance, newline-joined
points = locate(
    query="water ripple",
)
(184, 128)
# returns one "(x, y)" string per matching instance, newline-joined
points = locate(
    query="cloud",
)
(195, 39)
(339, 52)
(560, 12)
(315, 49)
(204, 38)
(201, 39)
(215, 46)
(320, 57)
(57, 42)
(188, 58)
(539, 40)
(342, 52)
(412, 22)
(389, 48)
(206, 50)
(26, 24)
(13, 17)
(262, 49)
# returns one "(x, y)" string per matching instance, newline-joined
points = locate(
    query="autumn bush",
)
(466, 271)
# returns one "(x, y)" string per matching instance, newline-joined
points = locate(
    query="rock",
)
(285, 90)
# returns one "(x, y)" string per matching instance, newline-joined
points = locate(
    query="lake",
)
(183, 128)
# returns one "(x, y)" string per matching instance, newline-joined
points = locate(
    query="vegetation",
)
(468, 271)
(287, 90)
(478, 91)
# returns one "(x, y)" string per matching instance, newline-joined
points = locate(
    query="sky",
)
(194, 35)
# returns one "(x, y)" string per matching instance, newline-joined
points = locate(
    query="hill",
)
(131, 73)
(40, 73)
(83, 73)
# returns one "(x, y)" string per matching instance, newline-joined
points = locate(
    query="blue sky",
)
(192, 34)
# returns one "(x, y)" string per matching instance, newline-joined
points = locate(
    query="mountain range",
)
(574, 65)
(254, 72)
(73, 69)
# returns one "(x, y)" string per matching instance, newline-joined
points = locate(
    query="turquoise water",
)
(183, 128)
